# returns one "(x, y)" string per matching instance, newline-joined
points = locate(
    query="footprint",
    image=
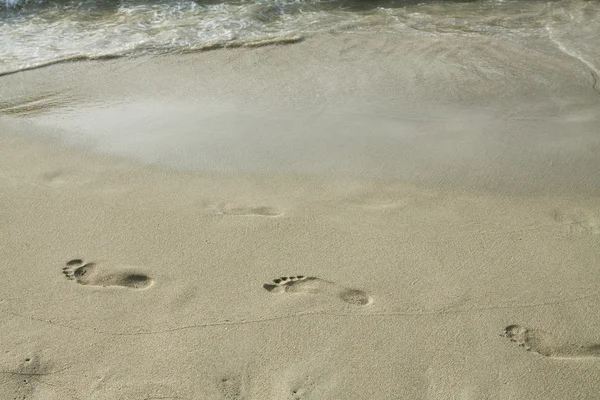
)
(232, 387)
(545, 344)
(302, 389)
(22, 383)
(94, 274)
(28, 380)
(378, 201)
(578, 222)
(261, 211)
(310, 284)
(60, 177)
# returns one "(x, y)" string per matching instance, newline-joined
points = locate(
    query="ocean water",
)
(38, 32)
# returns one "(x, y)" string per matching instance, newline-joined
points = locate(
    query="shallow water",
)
(34, 32)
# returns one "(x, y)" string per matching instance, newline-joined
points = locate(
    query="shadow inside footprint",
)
(93, 274)
(547, 345)
(311, 284)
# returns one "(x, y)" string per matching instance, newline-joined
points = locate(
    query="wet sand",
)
(356, 216)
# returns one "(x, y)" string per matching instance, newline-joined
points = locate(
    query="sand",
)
(355, 216)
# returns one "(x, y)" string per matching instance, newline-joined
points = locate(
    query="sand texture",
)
(350, 217)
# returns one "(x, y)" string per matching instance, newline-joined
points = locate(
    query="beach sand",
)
(429, 210)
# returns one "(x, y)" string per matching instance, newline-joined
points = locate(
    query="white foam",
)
(34, 35)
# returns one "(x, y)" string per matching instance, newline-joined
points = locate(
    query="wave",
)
(272, 41)
(343, 4)
(41, 32)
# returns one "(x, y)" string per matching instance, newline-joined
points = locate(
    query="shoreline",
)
(476, 121)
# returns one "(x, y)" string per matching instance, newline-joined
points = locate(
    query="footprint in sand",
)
(545, 344)
(260, 211)
(94, 274)
(232, 387)
(578, 222)
(310, 284)
(23, 382)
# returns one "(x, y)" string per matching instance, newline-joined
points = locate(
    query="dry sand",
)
(437, 203)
